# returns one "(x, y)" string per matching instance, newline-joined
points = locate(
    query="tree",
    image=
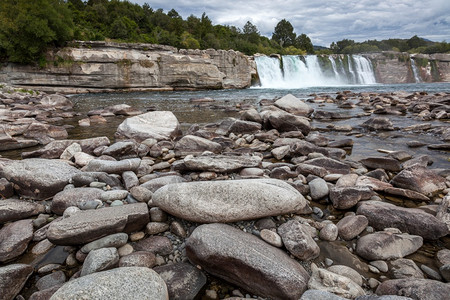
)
(304, 42)
(341, 45)
(416, 42)
(284, 34)
(251, 32)
(29, 27)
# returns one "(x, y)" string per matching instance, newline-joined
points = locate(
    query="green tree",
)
(304, 42)
(251, 32)
(284, 34)
(416, 42)
(27, 28)
(341, 45)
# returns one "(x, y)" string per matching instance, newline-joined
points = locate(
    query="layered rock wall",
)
(103, 66)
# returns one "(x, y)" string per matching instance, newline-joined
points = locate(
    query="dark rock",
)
(344, 143)
(347, 197)
(14, 239)
(53, 279)
(420, 289)
(14, 209)
(378, 124)
(138, 259)
(298, 240)
(113, 167)
(350, 227)
(284, 121)
(419, 179)
(191, 144)
(73, 197)
(331, 165)
(304, 148)
(306, 169)
(386, 163)
(156, 244)
(6, 189)
(406, 193)
(85, 179)
(12, 279)
(123, 150)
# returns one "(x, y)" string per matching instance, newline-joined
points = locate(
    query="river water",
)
(226, 102)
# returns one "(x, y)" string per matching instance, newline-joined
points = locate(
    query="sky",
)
(325, 21)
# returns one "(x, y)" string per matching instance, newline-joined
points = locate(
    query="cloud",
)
(325, 21)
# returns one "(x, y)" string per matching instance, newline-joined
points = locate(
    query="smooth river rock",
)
(12, 279)
(294, 105)
(298, 240)
(224, 251)
(191, 144)
(113, 167)
(14, 239)
(73, 197)
(36, 177)
(15, 209)
(419, 179)
(411, 220)
(86, 226)
(221, 163)
(158, 125)
(228, 201)
(116, 284)
(420, 289)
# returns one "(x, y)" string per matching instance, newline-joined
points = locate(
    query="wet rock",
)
(228, 201)
(154, 184)
(387, 245)
(293, 105)
(411, 220)
(113, 167)
(14, 209)
(138, 259)
(44, 133)
(385, 163)
(87, 226)
(423, 289)
(331, 165)
(378, 124)
(318, 189)
(344, 143)
(298, 240)
(257, 273)
(116, 284)
(419, 179)
(12, 279)
(114, 240)
(284, 121)
(100, 260)
(191, 144)
(221, 163)
(37, 178)
(347, 197)
(183, 280)
(157, 244)
(73, 197)
(159, 125)
(325, 280)
(14, 239)
(350, 227)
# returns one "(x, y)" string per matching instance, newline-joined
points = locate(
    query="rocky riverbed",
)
(261, 206)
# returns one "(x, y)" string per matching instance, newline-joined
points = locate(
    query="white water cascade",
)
(294, 71)
(417, 78)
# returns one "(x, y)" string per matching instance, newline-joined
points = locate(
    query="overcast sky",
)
(325, 21)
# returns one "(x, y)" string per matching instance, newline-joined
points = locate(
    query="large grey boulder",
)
(385, 245)
(73, 197)
(86, 226)
(247, 261)
(14, 239)
(411, 220)
(15, 209)
(116, 284)
(228, 201)
(191, 144)
(419, 179)
(37, 178)
(220, 163)
(418, 289)
(12, 279)
(293, 105)
(159, 125)
(284, 121)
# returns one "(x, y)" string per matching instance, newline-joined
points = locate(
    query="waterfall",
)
(415, 71)
(294, 71)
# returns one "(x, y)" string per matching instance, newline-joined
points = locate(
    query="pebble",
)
(125, 250)
(431, 273)
(271, 237)
(380, 265)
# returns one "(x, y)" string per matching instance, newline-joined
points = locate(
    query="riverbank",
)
(298, 210)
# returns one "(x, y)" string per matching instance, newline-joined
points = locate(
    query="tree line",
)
(29, 28)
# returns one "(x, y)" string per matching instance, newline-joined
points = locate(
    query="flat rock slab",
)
(331, 165)
(411, 220)
(87, 226)
(419, 179)
(386, 245)
(229, 201)
(294, 105)
(116, 284)
(12, 279)
(73, 197)
(191, 144)
(159, 125)
(423, 289)
(385, 163)
(247, 261)
(14, 209)
(113, 167)
(14, 239)
(36, 177)
(221, 163)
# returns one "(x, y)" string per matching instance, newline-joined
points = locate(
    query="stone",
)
(116, 284)
(73, 197)
(378, 124)
(228, 201)
(123, 150)
(293, 105)
(113, 167)
(318, 294)
(385, 163)
(138, 259)
(157, 244)
(51, 280)
(298, 240)
(116, 240)
(280, 152)
(386, 245)
(130, 180)
(6, 189)
(45, 294)
(95, 179)
(381, 265)
(100, 260)
(350, 227)
(42, 247)
(154, 184)
(419, 179)
(331, 165)
(87, 226)
(340, 255)
(329, 232)
(235, 126)
(113, 195)
(14, 209)
(411, 220)
(271, 237)
(156, 227)
(190, 144)
(284, 121)
(258, 273)
(141, 194)
(415, 288)
(12, 279)
(325, 280)
(37, 178)
(221, 163)
(406, 194)
(347, 197)
(373, 183)
(183, 280)
(56, 101)
(70, 151)
(159, 125)
(347, 272)
(318, 189)
(14, 239)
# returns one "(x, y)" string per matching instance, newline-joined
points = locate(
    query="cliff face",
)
(395, 67)
(103, 66)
